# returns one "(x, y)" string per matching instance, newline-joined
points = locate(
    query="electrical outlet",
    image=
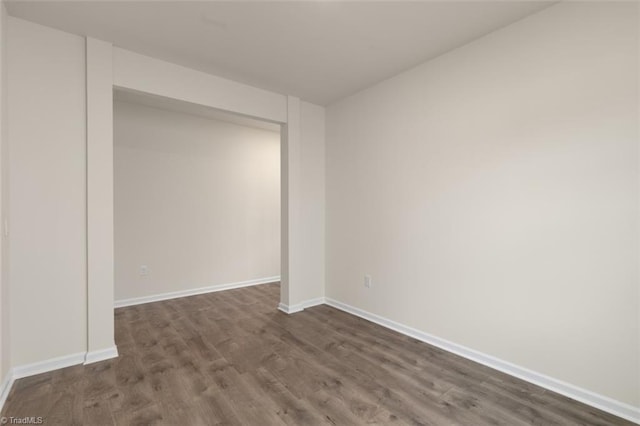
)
(367, 281)
(144, 270)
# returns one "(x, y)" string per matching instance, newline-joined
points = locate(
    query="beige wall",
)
(47, 192)
(312, 200)
(48, 172)
(492, 195)
(196, 200)
(304, 208)
(100, 251)
(149, 75)
(4, 203)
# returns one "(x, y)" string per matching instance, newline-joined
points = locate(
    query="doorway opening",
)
(197, 199)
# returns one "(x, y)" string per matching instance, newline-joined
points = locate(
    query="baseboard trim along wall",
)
(593, 399)
(37, 368)
(193, 292)
(7, 384)
(292, 309)
(101, 355)
(285, 308)
(50, 365)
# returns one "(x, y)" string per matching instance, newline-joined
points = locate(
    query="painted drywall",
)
(492, 195)
(149, 75)
(47, 192)
(303, 209)
(196, 200)
(312, 200)
(290, 199)
(4, 202)
(100, 250)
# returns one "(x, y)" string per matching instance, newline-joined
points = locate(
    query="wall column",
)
(100, 236)
(290, 181)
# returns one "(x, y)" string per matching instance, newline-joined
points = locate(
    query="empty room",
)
(320, 212)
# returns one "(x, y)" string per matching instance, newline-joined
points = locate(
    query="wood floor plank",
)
(291, 410)
(231, 358)
(247, 403)
(66, 408)
(148, 416)
(97, 412)
(213, 404)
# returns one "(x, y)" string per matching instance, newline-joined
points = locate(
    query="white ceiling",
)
(320, 51)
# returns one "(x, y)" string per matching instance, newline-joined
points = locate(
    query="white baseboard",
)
(101, 355)
(292, 309)
(37, 368)
(284, 308)
(5, 388)
(593, 399)
(48, 365)
(192, 292)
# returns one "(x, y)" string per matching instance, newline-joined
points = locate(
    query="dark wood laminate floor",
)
(231, 358)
